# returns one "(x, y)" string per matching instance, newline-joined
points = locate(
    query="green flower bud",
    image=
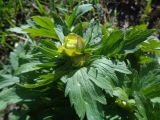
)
(127, 105)
(73, 45)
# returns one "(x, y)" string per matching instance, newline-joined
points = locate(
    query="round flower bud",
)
(73, 45)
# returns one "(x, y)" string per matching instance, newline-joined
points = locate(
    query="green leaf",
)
(50, 53)
(85, 97)
(19, 52)
(78, 28)
(8, 96)
(27, 67)
(40, 7)
(156, 100)
(146, 81)
(107, 68)
(151, 46)
(19, 29)
(38, 84)
(7, 80)
(93, 34)
(59, 31)
(145, 59)
(141, 113)
(150, 82)
(136, 35)
(85, 87)
(57, 19)
(49, 44)
(120, 41)
(82, 9)
(42, 32)
(112, 44)
(121, 67)
(44, 27)
(46, 65)
(120, 93)
(101, 80)
(48, 76)
(77, 13)
(146, 110)
(152, 91)
(44, 22)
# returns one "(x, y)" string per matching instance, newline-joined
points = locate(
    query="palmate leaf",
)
(146, 110)
(120, 41)
(144, 86)
(8, 96)
(135, 36)
(42, 32)
(7, 80)
(147, 81)
(21, 59)
(44, 27)
(151, 84)
(44, 22)
(107, 67)
(18, 53)
(101, 80)
(83, 95)
(86, 86)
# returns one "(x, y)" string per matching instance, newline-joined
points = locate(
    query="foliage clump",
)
(69, 68)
